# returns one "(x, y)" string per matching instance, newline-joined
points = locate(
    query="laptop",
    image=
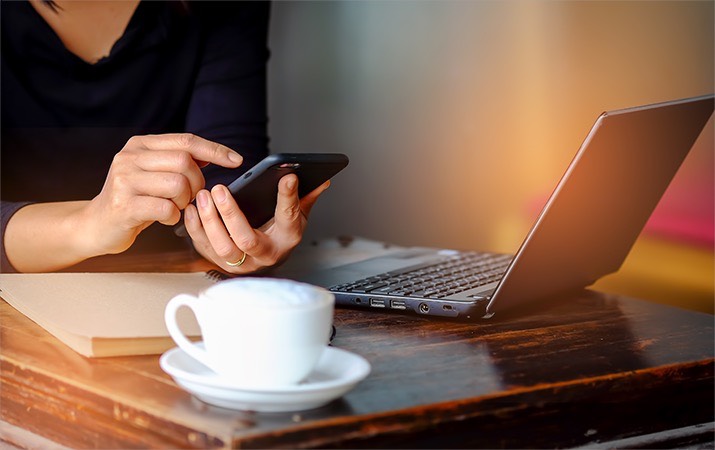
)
(584, 231)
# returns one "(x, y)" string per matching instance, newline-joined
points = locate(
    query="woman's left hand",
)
(221, 233)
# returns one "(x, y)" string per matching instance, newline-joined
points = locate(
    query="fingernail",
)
(219, 194)
(189, 214)
(202, 198)
(235, 157)
(290, 184)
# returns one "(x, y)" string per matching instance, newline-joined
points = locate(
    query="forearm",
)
(44, 237)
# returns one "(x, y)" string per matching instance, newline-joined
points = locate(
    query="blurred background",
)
(459, 118)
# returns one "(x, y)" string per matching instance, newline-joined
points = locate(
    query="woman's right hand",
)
(151, 179)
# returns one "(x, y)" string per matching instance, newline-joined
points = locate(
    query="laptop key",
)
(384, 289)
(369, 287)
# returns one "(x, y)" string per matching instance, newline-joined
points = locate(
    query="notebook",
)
(105, 314)
(584, 231)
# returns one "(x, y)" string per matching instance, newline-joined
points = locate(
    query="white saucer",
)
(337, 372)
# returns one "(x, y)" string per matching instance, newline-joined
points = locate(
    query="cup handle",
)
(181, 340)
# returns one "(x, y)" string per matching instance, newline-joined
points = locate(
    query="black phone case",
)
(256, 190)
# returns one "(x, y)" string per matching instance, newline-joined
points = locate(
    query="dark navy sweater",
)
(196, 67)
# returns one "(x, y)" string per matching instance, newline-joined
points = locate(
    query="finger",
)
(199, 148)
(192, 222)
(173, 186)
(173, 161)
(145, 209)
(307, 202)
(203, 246)
(288, 216)
(240, 230)
(223, 246)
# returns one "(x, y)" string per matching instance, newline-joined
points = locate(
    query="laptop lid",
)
(603, 200)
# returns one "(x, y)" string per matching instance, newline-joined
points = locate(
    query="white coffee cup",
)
(257, 332)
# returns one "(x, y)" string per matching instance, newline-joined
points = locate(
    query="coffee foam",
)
(269, 293)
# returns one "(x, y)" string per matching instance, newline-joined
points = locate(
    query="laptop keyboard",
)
(458, 273)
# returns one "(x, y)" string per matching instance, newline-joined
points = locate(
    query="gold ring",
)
(237, 263)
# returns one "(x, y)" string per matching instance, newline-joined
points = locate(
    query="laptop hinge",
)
(482, 304)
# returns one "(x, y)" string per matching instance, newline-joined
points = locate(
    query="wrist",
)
(87, 238)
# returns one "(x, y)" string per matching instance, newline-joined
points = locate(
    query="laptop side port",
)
(377, 303)
(398, 304)
(424, 308)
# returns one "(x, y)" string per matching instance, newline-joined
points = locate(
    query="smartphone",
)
(256, 190)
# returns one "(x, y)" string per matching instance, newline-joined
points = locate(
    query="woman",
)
(116, 115)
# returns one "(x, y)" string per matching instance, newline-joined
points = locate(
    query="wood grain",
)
(579, 370)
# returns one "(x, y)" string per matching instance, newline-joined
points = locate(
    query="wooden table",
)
(581, 371)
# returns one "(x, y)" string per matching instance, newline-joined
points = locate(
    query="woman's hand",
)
(150, 180)
(222, 234)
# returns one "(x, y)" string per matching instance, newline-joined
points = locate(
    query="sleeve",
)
(229, 100)
(7, 209)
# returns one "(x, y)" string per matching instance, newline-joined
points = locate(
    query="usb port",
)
(377, 303)
(398, 304)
